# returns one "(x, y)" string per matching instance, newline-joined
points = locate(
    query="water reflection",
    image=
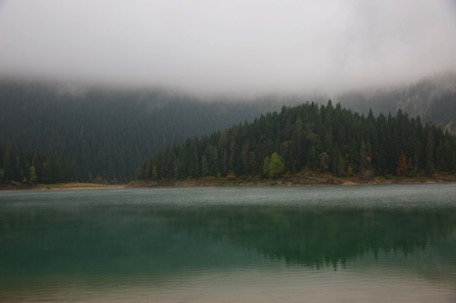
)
(157, 239)
(271, 244)
(317, 236)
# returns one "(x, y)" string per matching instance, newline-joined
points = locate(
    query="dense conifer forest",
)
(103, 133)
(310, 138)
(33, 167)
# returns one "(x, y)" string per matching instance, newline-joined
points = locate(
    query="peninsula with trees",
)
(309, 140)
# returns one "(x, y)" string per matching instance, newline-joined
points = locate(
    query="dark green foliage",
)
(108, 133)
(33, 167)
(313, 138)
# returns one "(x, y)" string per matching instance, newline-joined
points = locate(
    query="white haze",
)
(236, 46)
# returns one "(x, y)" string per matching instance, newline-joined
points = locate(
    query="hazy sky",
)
(241, 46)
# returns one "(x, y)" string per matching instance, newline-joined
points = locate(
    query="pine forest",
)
(310, 138)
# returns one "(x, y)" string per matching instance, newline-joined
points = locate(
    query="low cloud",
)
(220, 47)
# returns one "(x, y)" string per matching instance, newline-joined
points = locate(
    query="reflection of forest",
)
(317, 236)
(159, 239)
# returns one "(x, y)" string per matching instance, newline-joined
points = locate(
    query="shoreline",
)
(291, 181)
(239, 182)
(60, 186)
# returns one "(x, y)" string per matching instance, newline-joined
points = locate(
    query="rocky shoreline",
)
(291, 181)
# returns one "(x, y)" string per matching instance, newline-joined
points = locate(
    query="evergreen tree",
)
(429, 152)
(324, 162)
(32, 175)
(266, 166)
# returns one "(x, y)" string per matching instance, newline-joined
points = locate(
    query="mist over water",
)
(322, 243)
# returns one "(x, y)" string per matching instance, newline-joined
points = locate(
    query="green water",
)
(389, 243)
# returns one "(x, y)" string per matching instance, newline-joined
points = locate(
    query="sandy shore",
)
(61, 186)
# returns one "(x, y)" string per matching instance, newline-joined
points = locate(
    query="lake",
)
(382, 243)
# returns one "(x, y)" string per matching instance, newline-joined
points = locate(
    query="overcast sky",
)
(239, 46)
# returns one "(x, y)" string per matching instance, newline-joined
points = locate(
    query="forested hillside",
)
(107, 133)
(433, 99)
(310, 137)
(33, 167)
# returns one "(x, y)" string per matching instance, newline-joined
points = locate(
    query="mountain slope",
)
(433, 99)
(107, 133)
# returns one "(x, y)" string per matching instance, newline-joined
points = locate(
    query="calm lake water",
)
(385, 243)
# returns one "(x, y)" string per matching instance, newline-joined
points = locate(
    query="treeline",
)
(33, 167)
(433, 99)
(107, 133)
(310, 137)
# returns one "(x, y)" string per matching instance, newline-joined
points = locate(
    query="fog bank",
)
(229, 47)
